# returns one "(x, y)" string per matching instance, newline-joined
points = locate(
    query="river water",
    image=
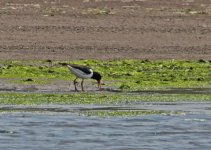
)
(64, 128)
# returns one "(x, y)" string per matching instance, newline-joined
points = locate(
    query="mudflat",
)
(105, 29)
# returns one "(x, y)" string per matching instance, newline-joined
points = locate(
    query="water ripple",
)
(56, 129)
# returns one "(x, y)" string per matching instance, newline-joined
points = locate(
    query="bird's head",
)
(97, 77)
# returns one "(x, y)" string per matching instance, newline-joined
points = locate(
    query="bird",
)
(83, 72)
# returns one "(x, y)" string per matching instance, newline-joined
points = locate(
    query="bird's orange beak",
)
(99, 85)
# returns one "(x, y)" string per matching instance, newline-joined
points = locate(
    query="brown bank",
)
(106, 29)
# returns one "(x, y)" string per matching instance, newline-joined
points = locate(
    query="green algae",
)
(125, 82)
(97, 98)
(128, 113)
(129, 75)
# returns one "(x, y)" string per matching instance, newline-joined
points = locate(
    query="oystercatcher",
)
(83, 72)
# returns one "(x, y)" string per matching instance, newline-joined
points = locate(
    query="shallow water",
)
(62, 127)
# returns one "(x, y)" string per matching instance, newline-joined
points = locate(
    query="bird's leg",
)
(75, 82)
(82, 86)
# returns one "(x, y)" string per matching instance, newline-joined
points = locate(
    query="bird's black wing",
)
(85, 69)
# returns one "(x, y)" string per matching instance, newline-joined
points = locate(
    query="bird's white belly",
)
(80, 74)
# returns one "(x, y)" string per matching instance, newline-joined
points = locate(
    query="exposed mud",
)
(91, 29)
(67, 87)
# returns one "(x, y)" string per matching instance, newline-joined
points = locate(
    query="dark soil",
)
(105, 29)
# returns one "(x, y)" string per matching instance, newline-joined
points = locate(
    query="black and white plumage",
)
(84, 72)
